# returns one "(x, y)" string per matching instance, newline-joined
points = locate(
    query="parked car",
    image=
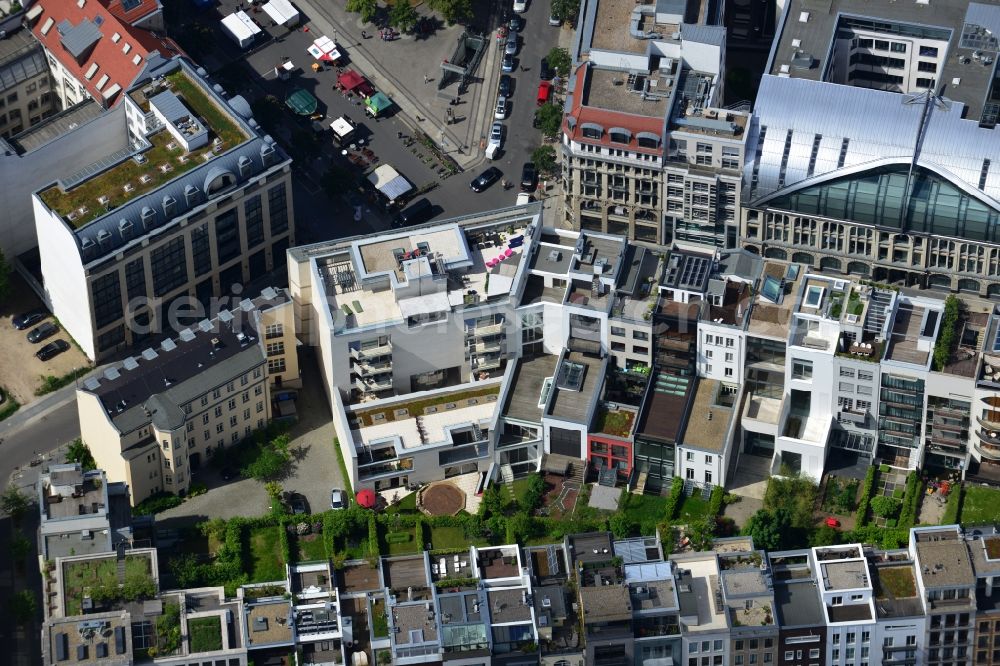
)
(39, 333)
(501, 111)
(298, 504)
(520, 6)
(506, 85)
(529, 177)
(485, 179)
(544, 92)
(26, 319)
(338, 499)
(52, 349)
(554, 20)
(508, 63)
(496, 133)
(416, 213)
(228, 473)
(515, 24)
(545, 72)
(511, 47)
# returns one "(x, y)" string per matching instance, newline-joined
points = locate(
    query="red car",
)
(544, 92)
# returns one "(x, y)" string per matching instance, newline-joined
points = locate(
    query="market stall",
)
(282, 12)
(241, 28)
(389, 183)
(351, 81)
(377, 104)
(324, 49)
(302, 102)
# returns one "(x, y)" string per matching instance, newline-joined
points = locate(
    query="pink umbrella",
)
(491, 263)
(507, 253)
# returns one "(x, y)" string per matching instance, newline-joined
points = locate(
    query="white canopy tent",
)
(389, 182)
(282, 12)
(241, 28)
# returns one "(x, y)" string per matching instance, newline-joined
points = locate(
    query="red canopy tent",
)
(366, 498)
(351, 81)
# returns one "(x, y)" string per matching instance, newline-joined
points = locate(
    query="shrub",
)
(716, 501)
(196, 489)
(156, 503)
(373, 547)
(534, 493)
(621, 525)
(398, 537)
(674, 499)
(946, 341)
(886, 507)
(911, 500)
(520, 528)
(80, 453)
(866, 493)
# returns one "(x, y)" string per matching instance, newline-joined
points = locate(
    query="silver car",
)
(511, 47)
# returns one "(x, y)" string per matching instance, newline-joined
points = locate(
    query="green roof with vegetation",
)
(206, 634)
(111, 182)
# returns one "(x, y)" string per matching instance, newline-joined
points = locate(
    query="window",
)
(716, 645)
(107, 299)
(845, 403)
(801, 369)
(272, 331)
(789, 655)
(835, 654)
(227, 236)
(708, 353)
(898, 47)
(852, 635)
(260, 407)
(204, 419)
(708, 368)
(708, 477)
(168, 265)
(846, 387)
(640, 335)
(618, 331)
(275, 365)
(689, 456)
(219, 428)
(927, 67)
(837, 601)
(846, 372)
(232, 421)
(218, 411)
(887, 641)
(866, 636)
(708, 460)
(729, 342)
(814, 653)
(729, 372)
(277, 207)
(865, 376)
(729, 357)
(689, 474)
(864, 390)
(928, 52)
(275, 348)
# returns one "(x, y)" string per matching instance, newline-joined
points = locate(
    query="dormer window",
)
(591, 131)
(647, 140)
(619, 135)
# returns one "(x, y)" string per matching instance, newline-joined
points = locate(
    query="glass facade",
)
(227, 236)
(884, 197)
(107, 299)
(254, 220)
(277, 207)
(169, 266)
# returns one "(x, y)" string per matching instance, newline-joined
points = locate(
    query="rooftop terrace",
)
(845, 575)
(710, 416)
(117, 179)
(904, 341)
(608, 89)
(269, 623)
(526, 387)
(566, 400)
(770, 317)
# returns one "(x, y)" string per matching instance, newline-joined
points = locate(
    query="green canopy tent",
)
(301, 102)
(377, 103)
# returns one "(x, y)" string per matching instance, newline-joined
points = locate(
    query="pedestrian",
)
(425, 79)
(364, 35)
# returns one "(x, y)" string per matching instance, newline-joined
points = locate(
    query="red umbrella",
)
(366, 498)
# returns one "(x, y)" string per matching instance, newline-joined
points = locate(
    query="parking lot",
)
(20, 372)
(407, 70)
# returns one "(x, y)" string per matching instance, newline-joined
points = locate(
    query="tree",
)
(79, 452)
(267, 111)
(4, 278)
(886, 507)
(767, 527)
(544, 158)
(367, 9)
(453, 11)
(14, 503)
(824, 536)
(403, 16)
(520, 528)
(566, 10)
(701, 532)
(548, 118)
(20, 546)
(795, 494)
(271, 462)
(559, 60)
(22, 606)
(621, 525)
(532, 498)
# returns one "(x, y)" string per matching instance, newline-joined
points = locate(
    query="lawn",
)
(443, 538)
(311, 548)
(417, 407)
(520, 489)
(399, 542)
(692, 508)
(380, 623)
(206, 634)
(980, 505)
(406, 505)
(645, 508)
(897, 581)
(217, 121)
(102, 573)
(617, 424)
(265, 559)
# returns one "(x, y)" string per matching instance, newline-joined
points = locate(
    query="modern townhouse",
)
(798, 609)
(154, 420)
(81, 513)
(947, 585)
(647, 151)
(171, 198)
(851, 192)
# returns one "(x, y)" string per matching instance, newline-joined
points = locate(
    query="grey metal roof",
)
(703, 34)
(170, 105)
(78, 38)
(877, 128)
(984, 16)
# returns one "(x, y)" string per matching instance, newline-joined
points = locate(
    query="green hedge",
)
(866, 496)
(911, 500)
(716, 501)
(418, 532)
(373, 546)
(156, 503)
(674, 500)
(398, 537)
(949, 328)
(343, 467)
(953, 506)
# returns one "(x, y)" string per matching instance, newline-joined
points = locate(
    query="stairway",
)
(507, 476)
(706, 492)
(877, 309)
(640, 483)
(120, 564)
(574, 472)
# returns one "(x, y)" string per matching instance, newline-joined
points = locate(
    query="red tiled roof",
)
(608, 119)
(108, 55)
(130, 16)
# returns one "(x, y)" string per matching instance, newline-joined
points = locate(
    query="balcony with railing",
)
(492, 346)
(483, 363)
(990, 420)
(372, 352)
(380, 468)
(374, 384)
(482, 331)
(367, 368)
(464, 453)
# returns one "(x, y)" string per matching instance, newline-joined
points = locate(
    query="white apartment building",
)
(159, 416)
(170, 199)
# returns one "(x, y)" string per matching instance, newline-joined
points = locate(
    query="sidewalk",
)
(419, 103)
